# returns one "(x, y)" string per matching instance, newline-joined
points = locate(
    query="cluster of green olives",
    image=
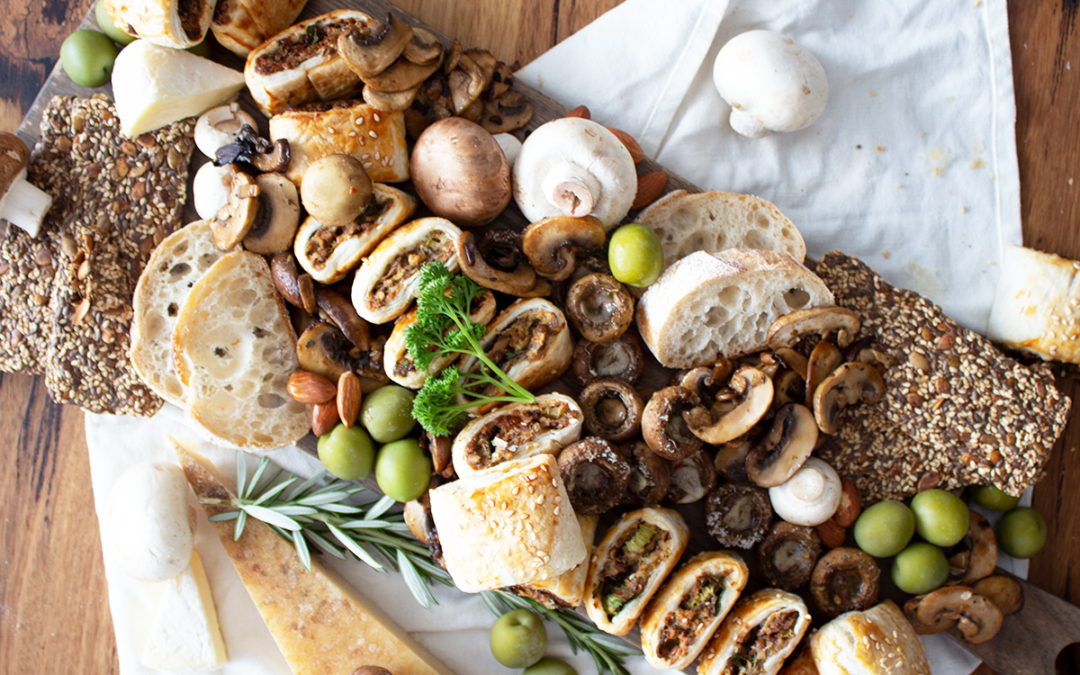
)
(940, 518)
(518, 640)
(402, 470)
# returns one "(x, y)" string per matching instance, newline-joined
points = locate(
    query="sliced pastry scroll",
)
(757, 635)
(568, 589)
(170, 23)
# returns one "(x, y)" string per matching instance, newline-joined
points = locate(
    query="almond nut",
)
(323, 418)
(348, 398)
(636, 153)
(580, 111)
(310, 388)
(832, 535)
(850, 504)
(649, 188)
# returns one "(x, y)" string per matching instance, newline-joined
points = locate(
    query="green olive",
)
(1021, 532)
(990, 497)
(348, 453)
(550, 665)
(518, 639)
(403, 470)
(387, 413)
(109, 27)
(202, 49)
(941, 517)
(920, 568)
(884, 529)
(635, 255)
(87, 57)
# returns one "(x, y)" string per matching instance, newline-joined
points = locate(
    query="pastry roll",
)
(387, 282)
(879, 641)
(243, 25)
(301, 64)
(352, 128)
(508, 525)
(629, 565)
(568, 589)
(517, 431)
(169, 23)
(757, 635)
(686, 612)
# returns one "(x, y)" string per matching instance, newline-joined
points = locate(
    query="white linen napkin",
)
(930, 84)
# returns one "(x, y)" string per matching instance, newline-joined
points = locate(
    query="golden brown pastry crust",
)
(879, 641)
(568, 589)
(159, 21)
(243, 25)
(747, 615)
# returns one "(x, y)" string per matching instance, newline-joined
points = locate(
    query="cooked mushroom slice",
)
(1005, 592)
(390, 101)
(307, 293)
(453, 54)
(845, 580)
(344, 315)
(432, 104)
(518, 280)
(691, 478)
(231, 224)
(439, 449)
(283, 271)
(810, 497)
(825, 359)
(793, 360)
(849, 384)
(612, 409)
(975, 616)
(596, 475)
(324, 350)
(792, 327)
(402, 75)
(790, 388)
(663, 425)
(372, 53)
(729, 419)
(552, 244)
(621, 358)
(501, 81)
(788, 555)
(738, 515)
(423, 48)
(466, 82)
(507, 112)
(599, 307)
(650, 477)
(730, 460)
(278, 215)
(779, 454)
(982, 559)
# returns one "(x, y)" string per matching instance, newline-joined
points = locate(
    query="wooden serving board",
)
(1029, 641)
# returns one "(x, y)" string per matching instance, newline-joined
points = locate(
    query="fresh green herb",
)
(443, 328)
(606, 650)
(312, 514)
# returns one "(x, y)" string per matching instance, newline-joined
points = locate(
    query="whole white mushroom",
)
(810, 497)
(218, 127)
(150, 523)
(211, 187)
(771, 82)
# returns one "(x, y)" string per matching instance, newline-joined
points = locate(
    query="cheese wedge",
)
(321, 624)
(185, 636)
(156, 85)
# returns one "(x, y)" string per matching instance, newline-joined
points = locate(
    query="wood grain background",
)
(54, 615)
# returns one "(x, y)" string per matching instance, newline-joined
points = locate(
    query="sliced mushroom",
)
(612, 409)
(782, 451)
(849, 384)
(370, 54)
(1005, 592)
(738, 515)
(790, 388)
(390, 101)
(231, 224)
(792, 327)
(423, 48)
(845, 580)
(729, 419)
(324, 350)
(421, 524)
(517, 281)
(730, 460)
(975, 616)
(552, 244)
(663, 425)
(343, 314)
(453, 54)
(466, 82)
(432, 103)
(283, 271)
(810, 497)
(621, 358)
(822, 362)
(307, 293)
(793, 360)
(650, 477)
(982, 559)
(596, 475)
(401, 76)
(278, 215)
(788, 555)
(507, 112)
(439, 449)
(599, 307)
(691, 478)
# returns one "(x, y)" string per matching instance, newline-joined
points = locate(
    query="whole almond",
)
(323, 418)
(636, 153)
(649, 188)
(850, 504)
(580, 111)
(348, 398)
(310, 387)
(832, 535)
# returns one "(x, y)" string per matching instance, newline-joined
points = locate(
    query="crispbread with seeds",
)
(948, 389)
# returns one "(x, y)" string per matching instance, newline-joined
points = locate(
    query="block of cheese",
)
(321, 624)
(156, 85)
(185, 636)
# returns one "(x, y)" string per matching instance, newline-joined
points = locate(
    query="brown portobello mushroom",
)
(599, 307)
(845, 580)
(976, 617)
(612, 409)
(621, 358)
(650, 477)
(733, 416)
(691, 478)
(596, 475)
(738, 516)
(663, 425)
(552, 245)
(780, 452)
(788, 555)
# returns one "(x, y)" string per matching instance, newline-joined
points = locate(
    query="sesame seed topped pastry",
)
(879, 641)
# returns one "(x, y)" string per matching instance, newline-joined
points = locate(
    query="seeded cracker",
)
(955, 408)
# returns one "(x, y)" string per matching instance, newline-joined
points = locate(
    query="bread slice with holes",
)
(176, 264)
(716, 221)
(709, 305)
(234, 350)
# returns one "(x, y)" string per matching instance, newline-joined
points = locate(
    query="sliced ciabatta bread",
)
(176, 264)
(716, 221)
(709, 305)
(234, 350)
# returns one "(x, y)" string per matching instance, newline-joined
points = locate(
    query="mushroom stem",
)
(746, 125)
(25, 205)
(571, 189)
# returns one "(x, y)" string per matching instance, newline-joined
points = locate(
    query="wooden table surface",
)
(54, 614)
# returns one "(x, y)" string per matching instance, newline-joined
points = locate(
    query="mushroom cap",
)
(150, 522)
(788, 329)
(977, 617)
(279, 215)
(14, 156)
(771, 83)
(336, 189)
(729, 420)
(784, 449)
(552, 244)
(574, 150)
(370, 53)
(210, 188)
(218, 127)
(810, 497)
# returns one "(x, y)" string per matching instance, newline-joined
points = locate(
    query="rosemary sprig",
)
(311, 514)
(606, 650)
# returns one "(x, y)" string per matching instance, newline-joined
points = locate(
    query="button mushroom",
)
(691, 478)
(787, 330)
(781, 452)
(336, 189)
(369, 53)
(220, 126)
(621, 358)
(732, 417)
(650, 477)
(516, 278)
(845, 580)
(788, 555)
(981, 561)
(738, 515)
(975, 616)
(810, 497)
(612, 409)
(21, 203)
(210, 188)
(574, 167)
(552, 245)
(510, 145)
(850, 383)
(596, 475)
(599, 307)
(233, 221)
(771, 83)
(278, 215)
(663, 425)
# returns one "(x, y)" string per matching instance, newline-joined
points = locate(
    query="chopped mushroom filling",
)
(761, 642)
(320, 39)
(631, 564)
(320, 248)
(436, 246)
(499, 440)
(524, 339)
(189, 12)
(698, 607)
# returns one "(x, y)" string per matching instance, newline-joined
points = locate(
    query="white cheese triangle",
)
(185, 637)
(156, 85)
